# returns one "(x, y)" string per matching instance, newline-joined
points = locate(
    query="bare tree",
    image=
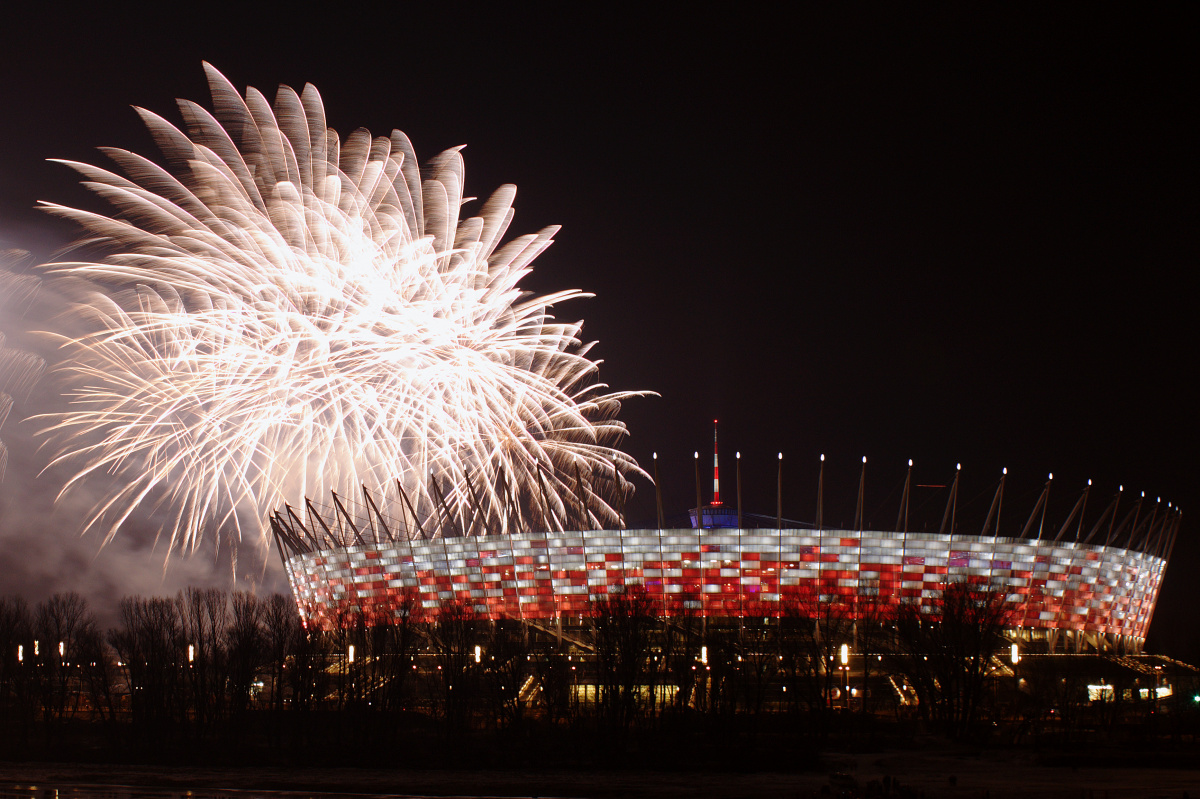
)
(204, 617)
(947, 653)
(58, 624)
(623, 624)
(150, 647)
(398, 634)
(555, 685)
(281, 631)
(454, 635)
(16, 663)
(759, 657)
(682, 637)
(873, 618)
(309, 679)
(815, 628)
(245, 644)
(507, 665)
(98, 672)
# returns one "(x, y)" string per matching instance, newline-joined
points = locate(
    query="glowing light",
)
(845, 654)
(20, 653)
(191, 653)
(1014, 654)
(704, 655)
(288, 314)
(350, 654)
(478, 653)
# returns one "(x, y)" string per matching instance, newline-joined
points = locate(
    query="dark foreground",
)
(995, 775)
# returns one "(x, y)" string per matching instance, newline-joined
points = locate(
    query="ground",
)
(995, 775)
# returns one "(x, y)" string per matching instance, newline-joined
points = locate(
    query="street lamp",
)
(845, 658)
(1014, 654)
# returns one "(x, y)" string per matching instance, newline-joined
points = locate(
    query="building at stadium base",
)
(1075, 592)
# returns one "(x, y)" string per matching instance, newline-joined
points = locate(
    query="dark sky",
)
(950, 236)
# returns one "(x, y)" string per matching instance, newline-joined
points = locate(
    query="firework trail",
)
(280, 314)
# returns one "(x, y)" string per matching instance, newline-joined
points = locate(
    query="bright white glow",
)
(739, 456)
(62, 649)
(478, 652)
(350, 654)
(910, 461)
(191, 653)
(1014, 654)
(288, 314)
(822, 456)
(1004, 470)
(1089, 481)
(958, 467)
(36, 648)
(845, 654)
(781, 456)
(864, 458)
(1051, 475)
(20, 653)
(704, 655)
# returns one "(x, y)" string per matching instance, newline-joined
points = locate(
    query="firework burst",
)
(280, 313)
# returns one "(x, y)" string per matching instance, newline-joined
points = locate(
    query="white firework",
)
(280, 314)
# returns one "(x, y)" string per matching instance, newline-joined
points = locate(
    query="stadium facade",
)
(1077, 590)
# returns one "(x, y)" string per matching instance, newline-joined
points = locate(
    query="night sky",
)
(894, 233)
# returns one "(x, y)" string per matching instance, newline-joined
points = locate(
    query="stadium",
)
(1072, 586)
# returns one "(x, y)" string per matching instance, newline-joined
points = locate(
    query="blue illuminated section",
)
(715, 517)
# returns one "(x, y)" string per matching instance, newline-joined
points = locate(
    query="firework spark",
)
(280, 314)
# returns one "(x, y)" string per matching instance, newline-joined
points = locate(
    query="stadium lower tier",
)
(1051, 586)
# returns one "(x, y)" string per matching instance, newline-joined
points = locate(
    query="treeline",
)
(210, 667)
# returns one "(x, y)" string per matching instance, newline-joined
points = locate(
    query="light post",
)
(1014, 655)
(845, 658)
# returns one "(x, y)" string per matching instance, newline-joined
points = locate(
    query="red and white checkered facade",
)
(1063, 586)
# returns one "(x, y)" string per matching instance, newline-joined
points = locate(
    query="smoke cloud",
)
(43, 550)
